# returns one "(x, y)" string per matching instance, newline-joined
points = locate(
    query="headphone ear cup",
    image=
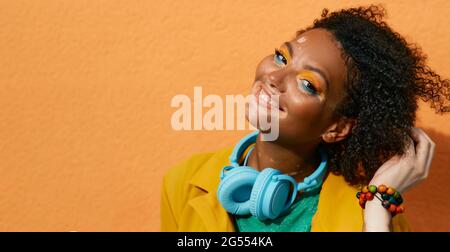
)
(258, 194)
(235, 190)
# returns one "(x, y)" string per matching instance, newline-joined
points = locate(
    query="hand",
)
(402, 173)
(413, 167)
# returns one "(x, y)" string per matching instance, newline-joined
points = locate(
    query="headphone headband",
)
(241, 146)
(309, 183)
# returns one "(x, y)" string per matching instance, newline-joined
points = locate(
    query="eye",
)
(279, 58)
(307, 86)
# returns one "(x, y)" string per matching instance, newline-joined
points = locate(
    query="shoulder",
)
(187, 180)
(186, 169)
(197, 174)
(198, 166)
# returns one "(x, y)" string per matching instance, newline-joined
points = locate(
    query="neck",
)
(298, 161)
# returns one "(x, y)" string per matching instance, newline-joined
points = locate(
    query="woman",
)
(347, 90)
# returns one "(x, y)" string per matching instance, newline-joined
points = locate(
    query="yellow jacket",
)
(189, 201)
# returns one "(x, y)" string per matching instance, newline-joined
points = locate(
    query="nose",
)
(275, 80)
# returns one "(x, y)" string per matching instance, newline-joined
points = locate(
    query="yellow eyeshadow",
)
(310, 77)
(285, 53)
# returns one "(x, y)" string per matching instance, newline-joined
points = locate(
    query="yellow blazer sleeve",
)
(176, 191)
(168, 221)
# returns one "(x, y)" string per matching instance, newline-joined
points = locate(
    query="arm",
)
(401, 173)
(168, 221)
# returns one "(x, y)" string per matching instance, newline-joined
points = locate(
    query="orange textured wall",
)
(85, 133)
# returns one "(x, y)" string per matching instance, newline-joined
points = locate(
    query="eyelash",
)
(277, 59)
(308, 88)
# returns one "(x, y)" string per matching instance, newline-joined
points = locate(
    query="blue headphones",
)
(266, 194)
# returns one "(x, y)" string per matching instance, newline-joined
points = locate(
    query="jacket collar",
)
(337, 210)
(207, 178)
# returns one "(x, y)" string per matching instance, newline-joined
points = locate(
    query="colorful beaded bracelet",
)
(390, 198)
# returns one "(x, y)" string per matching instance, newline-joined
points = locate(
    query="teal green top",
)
(297, 219)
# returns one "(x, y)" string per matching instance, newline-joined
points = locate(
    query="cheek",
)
(305, 110)
(305, 118)
(300, 104)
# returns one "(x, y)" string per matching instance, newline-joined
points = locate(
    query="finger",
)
(429, 160)
(424, 134)
(430, 153)
(415, 134)
(424, 151)
(409, 149)
(423, 142)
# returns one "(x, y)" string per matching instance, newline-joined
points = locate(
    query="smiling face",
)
(308, 75)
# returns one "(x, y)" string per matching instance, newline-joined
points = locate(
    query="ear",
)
(339, 130)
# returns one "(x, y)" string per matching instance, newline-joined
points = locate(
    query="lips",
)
(267, 98)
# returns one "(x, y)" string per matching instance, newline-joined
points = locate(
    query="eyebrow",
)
(320, 72)
(308, 67)
(289, 47)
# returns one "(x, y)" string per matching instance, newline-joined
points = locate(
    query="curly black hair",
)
(386, 76)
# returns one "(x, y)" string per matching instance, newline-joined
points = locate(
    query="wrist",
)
(378, 213)
(376, 218)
